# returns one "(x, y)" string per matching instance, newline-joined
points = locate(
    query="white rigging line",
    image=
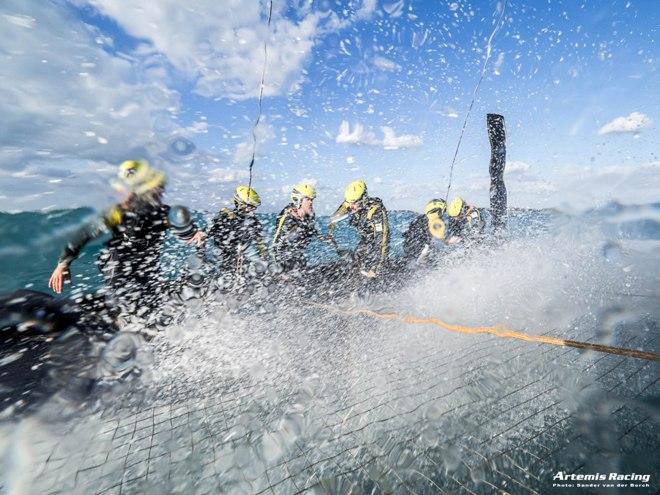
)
(498, 25)
(261, 95)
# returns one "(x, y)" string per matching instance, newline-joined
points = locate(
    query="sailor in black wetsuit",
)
(295, 229)
(369, 217)
(235, 232)
(421, 239)
(466, 224)
(130, 258)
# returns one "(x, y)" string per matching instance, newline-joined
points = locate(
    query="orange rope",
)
(498, 331)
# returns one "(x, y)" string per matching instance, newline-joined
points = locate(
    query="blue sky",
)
(364, 89)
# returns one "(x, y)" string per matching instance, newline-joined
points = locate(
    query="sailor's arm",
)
(336, 217)
(80, 239)
(183, 227)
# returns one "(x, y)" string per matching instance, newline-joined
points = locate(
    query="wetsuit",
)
(233, 232)
(130, 259)
(373, 228)
(420, 235)
(292, 236)
(468, 226)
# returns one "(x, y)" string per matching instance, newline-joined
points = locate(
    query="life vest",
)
(436, 224)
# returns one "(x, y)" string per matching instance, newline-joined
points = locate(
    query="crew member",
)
(295, 229)
(130, 259)
(369, 217)
(237, 233)
(425, 232)
(465, 222)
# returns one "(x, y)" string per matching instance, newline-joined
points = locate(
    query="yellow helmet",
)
(138, 177)
(435, 205)
(355, 191)
(247, 196)
(455, 207)
(302, 190)
(436, 225)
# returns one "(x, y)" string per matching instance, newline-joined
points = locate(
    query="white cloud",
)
(62, 97)
(24, 21)
(227, 175)
(532, 187)
(449, 112)
(633, 123)
(199, 127)
(576, 187)
(366, 10)
(72, 110)
(220, 45)
(516, 167)
(395, 9)
(363, 136)
(243, 152)
(393, 142)
(634, 183)
(386, 64)
(263, 133)
(71, 183)
(359, 135)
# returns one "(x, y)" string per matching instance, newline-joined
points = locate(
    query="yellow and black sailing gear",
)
(424, 232)
(292, 236)
(467, 224)
(245, 195)
(302, 191)
(130, 259)
(435, 205)
(372, 225)
(436, 225)
(233, 232)
(456, 207)
(355, 191)
(138, 177)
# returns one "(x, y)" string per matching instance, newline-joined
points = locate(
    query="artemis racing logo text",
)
(603, 480)
(561, 476)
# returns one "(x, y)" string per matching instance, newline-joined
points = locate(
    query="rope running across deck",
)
(498, 331)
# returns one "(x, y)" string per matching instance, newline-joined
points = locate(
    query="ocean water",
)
(297, 398)
(31, 242)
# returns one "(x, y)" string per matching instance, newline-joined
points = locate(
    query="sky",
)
(354, 89)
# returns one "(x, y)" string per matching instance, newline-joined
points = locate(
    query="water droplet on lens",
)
(120, 355)
(612, 252)
(181, 146)
(162, 123)
(272, 448)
